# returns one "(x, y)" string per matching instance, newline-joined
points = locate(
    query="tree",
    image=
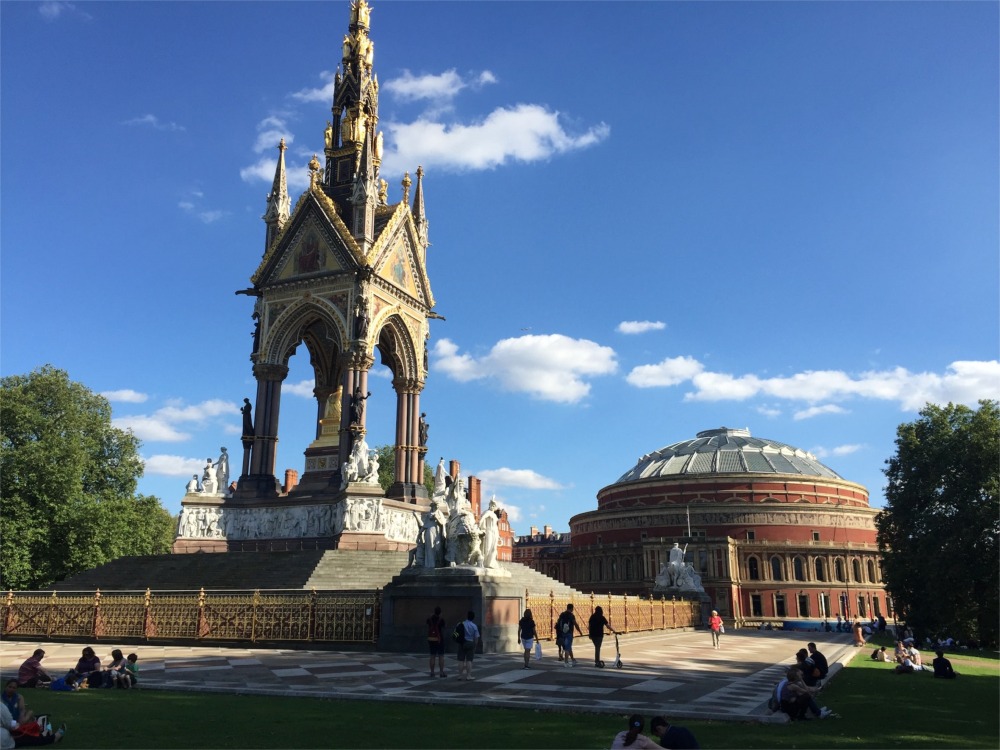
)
(939, 530)
(387, 469)
(67, 483)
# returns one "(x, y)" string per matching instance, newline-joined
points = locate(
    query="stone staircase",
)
(332, 570)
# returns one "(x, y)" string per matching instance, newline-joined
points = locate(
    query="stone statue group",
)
(361, 465)
(449, 533)
(675, 574)
(214, 478)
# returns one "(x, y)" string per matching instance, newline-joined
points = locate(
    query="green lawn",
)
(879, 708)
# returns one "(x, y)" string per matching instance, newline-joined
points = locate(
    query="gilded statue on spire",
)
(361, 13)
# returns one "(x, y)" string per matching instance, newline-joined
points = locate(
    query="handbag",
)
(722, 628)
(538, 650)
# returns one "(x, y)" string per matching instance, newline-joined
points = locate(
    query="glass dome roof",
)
(727, 451)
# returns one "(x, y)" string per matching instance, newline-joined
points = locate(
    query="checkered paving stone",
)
(676, 672)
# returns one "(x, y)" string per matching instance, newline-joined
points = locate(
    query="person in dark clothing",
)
(595, 629)
(810, 672)
(673, 736)
(820, 661)
(942, 667)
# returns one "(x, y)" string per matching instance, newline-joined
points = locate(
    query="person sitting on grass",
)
(116, 672)
(15, 703)
(900, 652)
(23, 731)
(942, 667)
(31, 674)
(133, 670)
(633, 737)
(86, 672)
(672, 736)
(880, 654)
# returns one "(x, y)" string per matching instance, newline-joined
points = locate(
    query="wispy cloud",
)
(302, 389)
(522, 133)
(53, 11)
(167, 424)
(523, 478)
(435, 87)
(552, 367)
(815, 411)
(640, 326)
(963, 382)
(191, 205)
(154, 122)
(173, 466)
(840, 450)
(323, 93)
(125, 396)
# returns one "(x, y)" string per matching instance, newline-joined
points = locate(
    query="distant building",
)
(774, 534)
(546, 552)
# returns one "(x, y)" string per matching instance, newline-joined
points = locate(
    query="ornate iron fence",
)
(295, 615)
(627, 614)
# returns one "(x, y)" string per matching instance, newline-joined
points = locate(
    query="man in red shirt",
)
(31, 673)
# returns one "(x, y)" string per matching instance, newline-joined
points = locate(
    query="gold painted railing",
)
(627, 614)
(331, 617)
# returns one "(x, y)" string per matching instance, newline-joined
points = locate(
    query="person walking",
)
(435, 641)
(715, 623)
(467, 646)
(595, 629)
(526, 635)
(565, 625)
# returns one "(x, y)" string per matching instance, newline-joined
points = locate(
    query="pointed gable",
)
(395, 256)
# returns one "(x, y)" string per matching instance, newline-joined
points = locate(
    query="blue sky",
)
(647, 220)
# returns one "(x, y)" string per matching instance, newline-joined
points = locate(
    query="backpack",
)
(563, 624)
(433, 629)
(459, 633)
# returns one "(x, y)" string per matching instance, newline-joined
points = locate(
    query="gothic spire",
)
(279, 205)
(419, 217)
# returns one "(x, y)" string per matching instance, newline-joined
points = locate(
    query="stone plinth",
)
(410, 599)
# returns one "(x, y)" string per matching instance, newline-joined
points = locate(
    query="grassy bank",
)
(879, 708)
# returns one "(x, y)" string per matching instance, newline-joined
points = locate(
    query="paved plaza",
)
(676, 673)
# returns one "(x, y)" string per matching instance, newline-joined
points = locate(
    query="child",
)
(132, 670)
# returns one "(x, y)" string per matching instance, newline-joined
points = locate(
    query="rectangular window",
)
(803, 605)
(861, 606)
(779, 605)
(815, 536)
(824, 606)
(755, 606)
(642, 536)
(703, 560)
(878, 607)
(751, 535)
(697, 534)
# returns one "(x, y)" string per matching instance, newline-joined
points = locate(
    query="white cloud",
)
(303, 389)
(815, 411)
(163, 425)
(524, 478)
(963, 382)
(323, 94)
(154, 122)
(297, 176)
(846, 450)
(768, 411)
(552, 367)
(671, 371)
(514, 513)
(126, 396)
(190, 207)
(524, 133)
(173, 466)
(640, 326)
(270, 131)
(53, 11)
(435, 88)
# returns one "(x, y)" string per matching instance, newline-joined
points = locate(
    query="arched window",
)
(799, 569)
(613, 571)
(628, 568)
(856, 570)
(871, 572)
(554, 572)
(820, 569)
(838, 569)
(753, 571)
(598, 570)
(776, 574)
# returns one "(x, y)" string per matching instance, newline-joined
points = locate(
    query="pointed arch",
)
(315, 319)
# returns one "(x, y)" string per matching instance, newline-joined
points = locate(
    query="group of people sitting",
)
(122, 672)
(670, 735)
(19, 727)
(908, 660)
(795, 695)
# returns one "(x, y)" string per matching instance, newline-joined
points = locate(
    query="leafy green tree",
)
(67, 483)
(940, 527)
(387, 469)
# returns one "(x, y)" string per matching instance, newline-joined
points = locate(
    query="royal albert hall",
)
(775, 535)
